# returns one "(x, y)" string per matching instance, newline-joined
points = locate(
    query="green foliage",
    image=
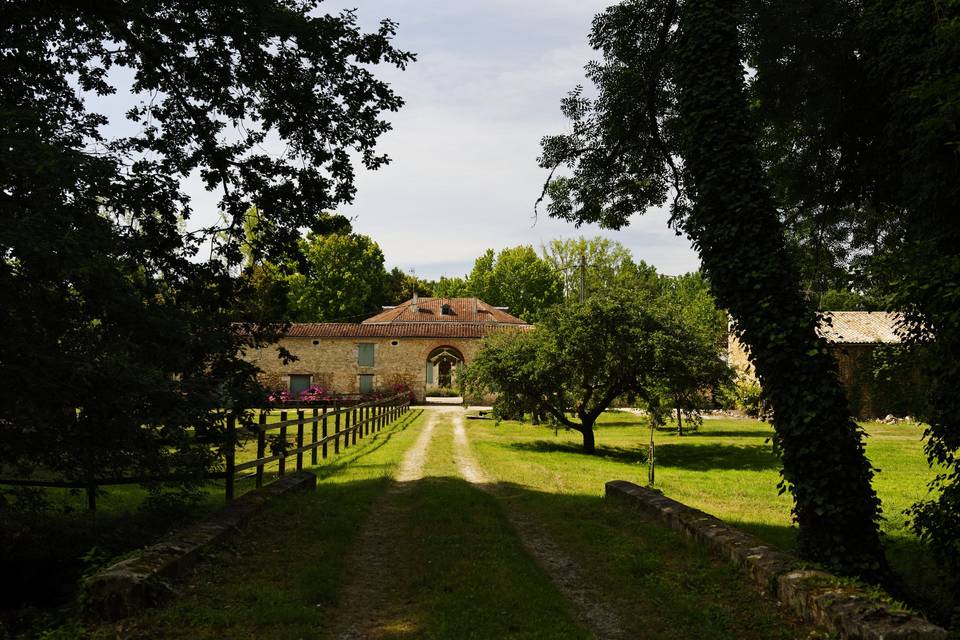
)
(863, 116)
(608, 265)
(120, 343)
(516, 278)
(671, 85)
(343, 280)
(846, 300)
(400, 287)
(747, 396)
(452, 288)
(581, 357)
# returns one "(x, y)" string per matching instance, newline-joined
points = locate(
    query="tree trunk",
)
(679, 422)
(736, 229)
(589, 440)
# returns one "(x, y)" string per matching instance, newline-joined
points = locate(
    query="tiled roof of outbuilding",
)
(861, 327)
(470, 310)
(400, 329)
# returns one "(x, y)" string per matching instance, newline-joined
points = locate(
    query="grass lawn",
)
(455, 567)
(50, 563)
(727, 469)
(458, 573)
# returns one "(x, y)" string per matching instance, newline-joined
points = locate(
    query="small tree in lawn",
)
(687, 370)
(582, 357)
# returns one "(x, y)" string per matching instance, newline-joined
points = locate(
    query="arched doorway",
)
(442, 366)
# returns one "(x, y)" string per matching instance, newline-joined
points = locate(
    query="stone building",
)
(854, 338)
(419, 344)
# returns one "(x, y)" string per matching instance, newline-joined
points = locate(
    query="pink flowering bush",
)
(315, 393)
(278, 396)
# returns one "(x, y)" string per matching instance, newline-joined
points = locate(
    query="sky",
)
(486, 87)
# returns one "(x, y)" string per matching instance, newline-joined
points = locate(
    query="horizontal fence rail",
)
(334, 426)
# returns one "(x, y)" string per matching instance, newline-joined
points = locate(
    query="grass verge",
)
(727, 469)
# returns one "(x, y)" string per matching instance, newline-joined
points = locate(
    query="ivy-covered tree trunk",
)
(735, 228)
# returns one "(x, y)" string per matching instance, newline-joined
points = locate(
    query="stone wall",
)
(816, 596)
(738, 359)
(333, 362)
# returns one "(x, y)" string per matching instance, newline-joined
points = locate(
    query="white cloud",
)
(485, 89)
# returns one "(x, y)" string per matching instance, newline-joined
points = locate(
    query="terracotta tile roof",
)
(400, 329)
(861, 327)
(430, 310)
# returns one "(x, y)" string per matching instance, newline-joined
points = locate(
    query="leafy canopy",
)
(579, 358)
(673, 122)
(118, 307)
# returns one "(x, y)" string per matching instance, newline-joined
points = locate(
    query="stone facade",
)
(417, 344)
(333, 363)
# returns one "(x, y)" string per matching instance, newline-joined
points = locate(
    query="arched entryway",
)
(442, 366)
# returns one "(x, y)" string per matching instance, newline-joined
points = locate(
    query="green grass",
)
(457, 572)
(727, 468)
(672, 587)
(51, 563)
(455, 568)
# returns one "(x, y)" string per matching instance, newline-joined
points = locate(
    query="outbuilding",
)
(861, 342)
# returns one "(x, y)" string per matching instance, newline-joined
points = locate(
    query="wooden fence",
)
(330, 428)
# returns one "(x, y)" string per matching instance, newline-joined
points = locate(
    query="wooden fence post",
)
(324, 432)
(353, 421)
(283, 444)
(261, 445)
(313, 441)
(336, 427)
(299, 439)
(231, 454)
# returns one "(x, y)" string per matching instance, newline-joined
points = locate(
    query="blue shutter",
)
(366, 383)
(298, 383)
(365, 355)
(429, 372)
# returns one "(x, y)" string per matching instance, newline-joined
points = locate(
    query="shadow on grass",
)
(691, 456)
(706, 432)
(616, 454)
(49, 561)
(707, 457)
(672, 587)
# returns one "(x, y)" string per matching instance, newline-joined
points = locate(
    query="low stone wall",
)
(141, 580)
(814, 595)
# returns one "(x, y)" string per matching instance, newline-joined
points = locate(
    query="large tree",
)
(516, 278)
(861, 104)
(673, 120)
(342, 279)
(117, 302)
(604, 264)
(581, 357)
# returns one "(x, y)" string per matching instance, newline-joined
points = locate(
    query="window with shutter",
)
(365, 355)
(366, 383)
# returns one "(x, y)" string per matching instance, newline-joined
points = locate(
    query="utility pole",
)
(583, 276)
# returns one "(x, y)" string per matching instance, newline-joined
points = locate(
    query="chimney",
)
(415, 298)
(476, 309)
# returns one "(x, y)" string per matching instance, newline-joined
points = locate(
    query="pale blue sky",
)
(487, 85)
